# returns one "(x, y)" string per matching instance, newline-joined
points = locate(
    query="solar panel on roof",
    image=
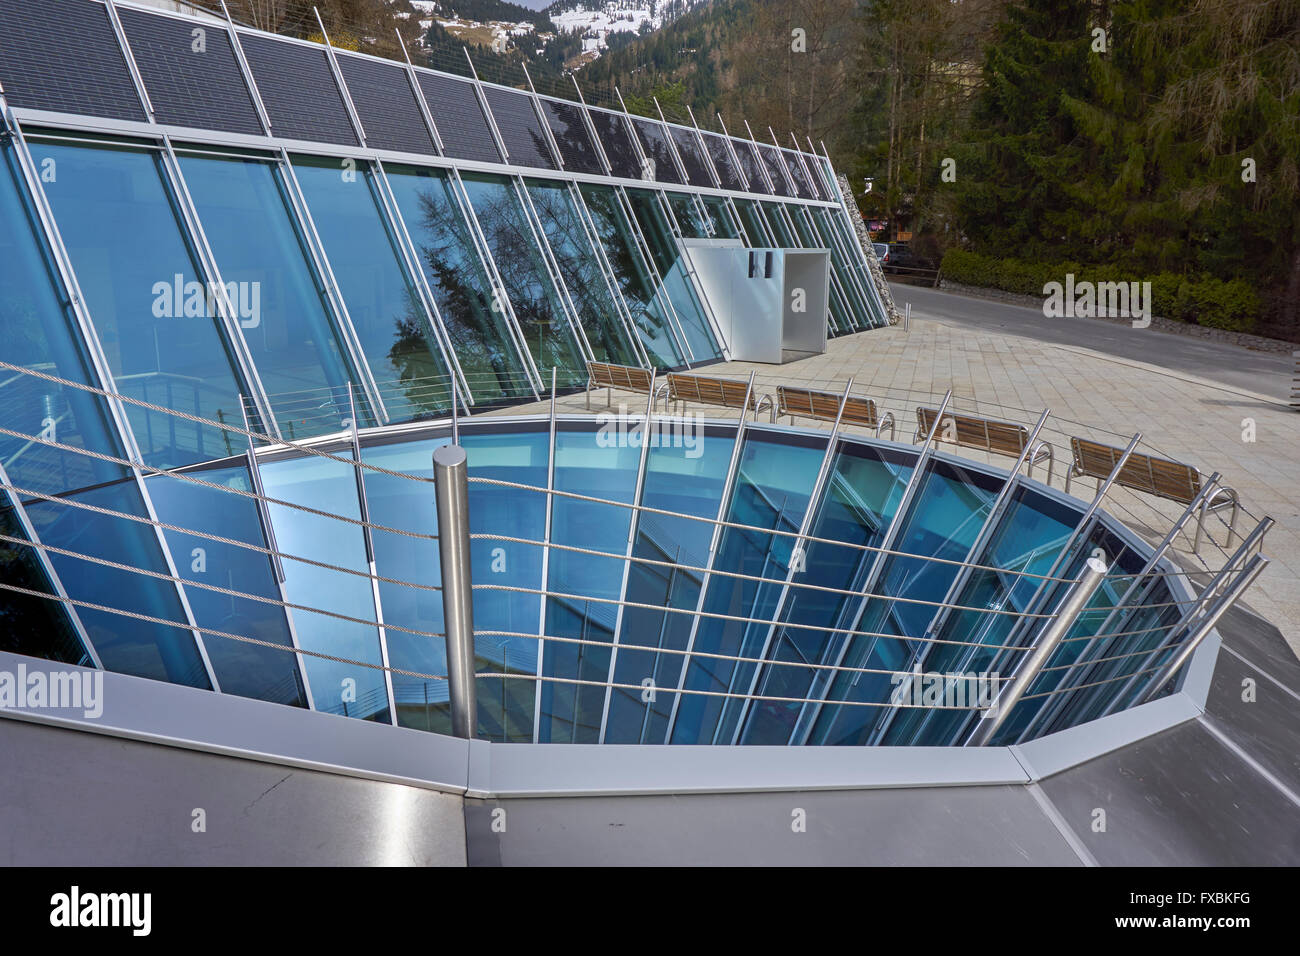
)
(722, 161)
(655, 143)
(616, 140)
(78, 68)
(572, 136)
(775, 169)
(688, 147)
(192, 79)
(382, 95)
(799, 174)
(298, 90)
(456, 112)
(753, 165)
(519, 127)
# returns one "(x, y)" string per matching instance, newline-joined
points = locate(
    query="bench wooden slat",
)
(986, 434)
(825, 406)
(1158, 476)
(712, 391)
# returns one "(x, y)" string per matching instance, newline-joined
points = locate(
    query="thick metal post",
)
(1227, 599)
(451, 488)
(1080, 594)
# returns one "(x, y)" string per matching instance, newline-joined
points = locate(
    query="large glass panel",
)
(720, 217)
(686, 480)
(351, 689)
(580, 269)
(832, 226)
(947, 514)
(475, 321)
(519, 261)
(673, 271)
(588, 463)
(249, 670)
(863, 492)
(690, 217)
(772, 493)
(639, 289)
(382, 300)
(139, 275)
(31, 625)
(809, 239)
(751, 220)
(286, 322)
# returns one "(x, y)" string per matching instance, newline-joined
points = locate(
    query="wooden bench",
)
(729, 393)
(629, 378)
(825, 406)
(985, 434)
(1155, 476)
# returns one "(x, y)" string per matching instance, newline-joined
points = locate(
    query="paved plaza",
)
(1193, 401)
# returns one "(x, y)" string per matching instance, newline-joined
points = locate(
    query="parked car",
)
(882, 251)
(900, 259)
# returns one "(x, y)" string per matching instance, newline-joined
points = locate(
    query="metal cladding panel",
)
(193, 78)
(573, 138)
(775, 169)
(688, 147)
(77, 67)
(722, 161)
(753, 165)
(386, 104)
(519, 127)
(655, 143)
(456, 112)
(616, 139)
(298, 89)
(799, 175)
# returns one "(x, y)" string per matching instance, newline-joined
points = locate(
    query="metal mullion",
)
(412, 261)
(52, 576)
(708, 157)
(342, 85)
(836, 244)
(607, 274)
(812, 180)
(652, 273)
(837, 288)
(758, 157)
(705, 216)
(724, 506)
(810, 712)
(552, 267)
(591, 129)
(997, 511)
(206, 263)
(487, 109)
(737, 225)
(129, 57)
(630, 126)
(500, 295)
(545, 596)
(246, 69)
(541, 118)
(1123, 612)
(333, 294)
(363, 505)
(100, 371)
(838, 240)
(632, 527)
(821, 170)
(667, 208)
(672, 146)
(419, 96)
(861, 257)
(735, 157)
(816, 500)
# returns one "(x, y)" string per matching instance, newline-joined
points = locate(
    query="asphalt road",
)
(1262, 373)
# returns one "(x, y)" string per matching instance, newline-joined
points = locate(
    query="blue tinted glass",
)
(506, 705)
(945, 518)
(383, 304)
(276, 294)
(31, 625)
(581, 271)
(862, 494)
(36, 333)
(833, 227)
(809, 239)
(135, 267)
(603, 465)
(845, 275)
(245, 669)
(464, 294)
(125, 644)
(519, 261)
(771, 494)
(639, 289)
(677, 283)
(354, 690)
(686, 480)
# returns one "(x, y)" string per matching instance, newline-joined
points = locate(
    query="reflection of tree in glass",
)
(413, 355)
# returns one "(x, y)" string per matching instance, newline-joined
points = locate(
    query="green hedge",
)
(1203, 300)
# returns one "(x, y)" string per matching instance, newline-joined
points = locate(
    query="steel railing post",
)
(451, 489)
